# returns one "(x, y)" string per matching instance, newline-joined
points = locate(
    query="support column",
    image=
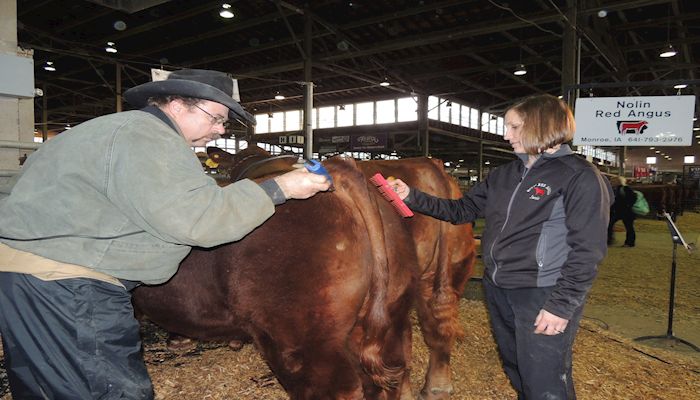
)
(119, 87)
(16, 113)
(423, 135)
(308, 89)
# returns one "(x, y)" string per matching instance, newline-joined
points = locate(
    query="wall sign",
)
(635, 121)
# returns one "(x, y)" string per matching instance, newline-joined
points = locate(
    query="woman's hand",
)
(398, 186)
(547, 323)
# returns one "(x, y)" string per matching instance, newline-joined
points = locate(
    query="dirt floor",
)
(629, 299)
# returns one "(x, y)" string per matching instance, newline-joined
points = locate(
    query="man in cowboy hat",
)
(116, 201)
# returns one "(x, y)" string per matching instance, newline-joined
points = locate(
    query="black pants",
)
(538, 366)
(70, 339)
(628, 220)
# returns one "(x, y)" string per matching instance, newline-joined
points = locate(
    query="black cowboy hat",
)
(197, 83)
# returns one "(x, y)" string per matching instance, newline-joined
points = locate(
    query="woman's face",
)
(514, 131)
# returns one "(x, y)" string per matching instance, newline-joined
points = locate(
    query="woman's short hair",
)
(547, 122)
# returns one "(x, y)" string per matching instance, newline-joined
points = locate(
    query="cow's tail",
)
(444, 303)
(377, 321)
(450, 273)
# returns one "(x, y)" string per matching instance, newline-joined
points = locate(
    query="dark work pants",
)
(70, 339)
(628, 220)
(538, 366)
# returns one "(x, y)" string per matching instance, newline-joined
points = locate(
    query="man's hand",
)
(547, 323)
(398, 186)
(301, 184)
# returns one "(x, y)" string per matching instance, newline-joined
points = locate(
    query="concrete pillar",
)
(16, 114)
(423, 132)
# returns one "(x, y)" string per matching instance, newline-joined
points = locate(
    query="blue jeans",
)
(70, 339)
(538, 366)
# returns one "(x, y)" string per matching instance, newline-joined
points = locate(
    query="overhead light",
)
(448, 104)
(67, 126)
(226, 11)
(49, 66)
(680, 86)
(279, 96)
(652, 148)
(667, 52)
(110, 48)
(341, 107)
(520, 70)
(696, 129)
(384, 83)
(269, 115)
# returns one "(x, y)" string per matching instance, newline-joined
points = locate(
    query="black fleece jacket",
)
(545, 226)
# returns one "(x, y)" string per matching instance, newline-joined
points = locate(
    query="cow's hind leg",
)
(437, 317)
(324, 371)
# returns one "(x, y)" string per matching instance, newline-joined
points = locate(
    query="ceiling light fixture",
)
(49, 66)
(680, 86)
(279, 96)
(448, 104)
(667, 52)
(520, 70)
(384, 83)
(110, 48)
(226, 11)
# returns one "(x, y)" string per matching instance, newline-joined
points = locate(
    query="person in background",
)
(115, 202)
(545, 219)
(622, 210)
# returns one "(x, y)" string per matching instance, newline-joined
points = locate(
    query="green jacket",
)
(124, 194)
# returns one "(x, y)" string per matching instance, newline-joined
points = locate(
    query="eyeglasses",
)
(213, 119)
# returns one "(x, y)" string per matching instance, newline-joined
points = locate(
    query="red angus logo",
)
(635, 127)
(538, 191)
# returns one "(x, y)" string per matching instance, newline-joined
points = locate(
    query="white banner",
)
(635, 121)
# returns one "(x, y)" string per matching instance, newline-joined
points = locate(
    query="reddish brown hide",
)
(324, 287)
(313, 290)
(445, 258)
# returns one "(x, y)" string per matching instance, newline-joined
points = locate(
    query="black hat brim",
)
(138, 96)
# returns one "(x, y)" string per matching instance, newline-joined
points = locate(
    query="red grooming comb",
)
(383, 186)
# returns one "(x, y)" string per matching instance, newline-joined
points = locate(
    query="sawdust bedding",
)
(606, 367)
(632, 286)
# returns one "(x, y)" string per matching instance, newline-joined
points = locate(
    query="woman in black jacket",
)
(622, 210)
(546, 219)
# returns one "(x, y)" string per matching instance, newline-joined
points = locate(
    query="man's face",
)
(203, 123)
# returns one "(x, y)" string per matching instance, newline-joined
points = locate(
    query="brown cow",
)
(436, 255)
(446, 255)
(310, 287)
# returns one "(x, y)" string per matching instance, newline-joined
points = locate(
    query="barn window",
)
(386, 111)
(407, 109)
(345, 113)
(365, 113)
(292, 120)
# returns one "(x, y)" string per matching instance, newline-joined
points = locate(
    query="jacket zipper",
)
(510, 203)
